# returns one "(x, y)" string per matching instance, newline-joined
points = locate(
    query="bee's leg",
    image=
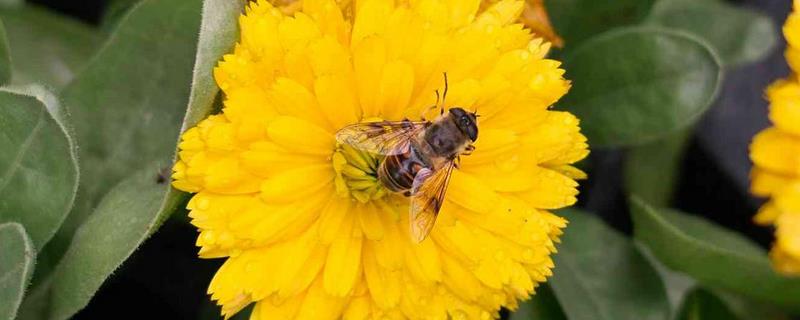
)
(468, 150)
(457, 163)
(422, 175)
(407, 193)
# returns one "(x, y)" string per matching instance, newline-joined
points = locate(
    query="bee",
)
(419, 157)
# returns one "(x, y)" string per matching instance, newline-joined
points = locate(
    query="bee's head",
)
(466, 122)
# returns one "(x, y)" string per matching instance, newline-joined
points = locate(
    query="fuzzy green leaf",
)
(11, 3)
(125, 217)
(144, 71)
(17, 259)
(712, 255)
(46, 47)
(219, 31)
(5, 57)
(634, 85)
(38, 165)
(114, 11)
(738, 34)
(130, 124)
(601, 275)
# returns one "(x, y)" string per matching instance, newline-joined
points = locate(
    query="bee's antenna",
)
(437, 97)
(444, 96)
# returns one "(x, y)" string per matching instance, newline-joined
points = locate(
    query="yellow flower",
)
(776, 156)
(307, 230)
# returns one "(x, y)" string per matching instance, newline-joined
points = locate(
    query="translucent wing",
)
(382, 137)
(426, 202)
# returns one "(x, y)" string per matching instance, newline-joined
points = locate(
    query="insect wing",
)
(427, 201)
(383, 137)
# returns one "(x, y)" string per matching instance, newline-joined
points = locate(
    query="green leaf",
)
(701, 304)
(144, 71)
(634, 85)
(679, 285)
(600, 275)
(5, 57)
(739, 35)
(11, 3)
(125, 217)
(17, 258)
(38, 165)
(542, 306)
(45, 47)
(747, 309)
(578, 20)
(652, 169)
(219, 31)
(114, 11)
(712, 255)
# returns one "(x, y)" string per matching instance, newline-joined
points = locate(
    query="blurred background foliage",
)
(669, 93)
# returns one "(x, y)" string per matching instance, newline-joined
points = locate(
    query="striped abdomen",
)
(397, 172)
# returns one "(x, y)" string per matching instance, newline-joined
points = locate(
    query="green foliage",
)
(5, 57)
(135, 120)
(739, 36)
(601, 275)
(114, 12)
(11, 3)
(218, 34)
(37, 191)
(712, 255)
(628, 79)
(701, 304)
(125, 217)
(17, 257)
(46, 48)
(578, 20)
(651, 169)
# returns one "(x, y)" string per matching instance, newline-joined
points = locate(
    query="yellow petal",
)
(290, 98)
(784, 110)
(384, 285)
(788, 233)
(318, 304)
(776, 151)
(394, 91)
(301, 136)
(337, 100)
(764, 183)
(369, 57)
(343, 265)
(551, 190)
(296, 184)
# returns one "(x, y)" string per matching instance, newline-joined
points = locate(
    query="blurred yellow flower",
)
(776, 156)
(534, 16)
(306, 229)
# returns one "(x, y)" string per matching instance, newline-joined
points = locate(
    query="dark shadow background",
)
(164, 277)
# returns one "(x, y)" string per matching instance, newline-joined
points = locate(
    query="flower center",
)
(357, 174)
